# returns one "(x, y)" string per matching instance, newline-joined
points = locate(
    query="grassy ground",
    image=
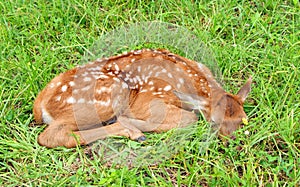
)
(39, 39)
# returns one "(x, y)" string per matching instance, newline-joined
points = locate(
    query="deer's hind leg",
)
(59, 133)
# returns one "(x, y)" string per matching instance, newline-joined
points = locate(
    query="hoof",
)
(141, 138)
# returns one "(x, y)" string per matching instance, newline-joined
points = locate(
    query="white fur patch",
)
(64, 88)
(167, 88)
(47, 118)
(71, 100)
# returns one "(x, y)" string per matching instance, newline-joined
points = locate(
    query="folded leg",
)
(60, 133)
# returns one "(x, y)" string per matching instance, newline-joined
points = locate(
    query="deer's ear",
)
(191, 101)
(244, 91)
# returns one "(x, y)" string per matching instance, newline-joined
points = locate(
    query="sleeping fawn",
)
(135, 92)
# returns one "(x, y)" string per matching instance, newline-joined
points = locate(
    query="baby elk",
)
(135, 92)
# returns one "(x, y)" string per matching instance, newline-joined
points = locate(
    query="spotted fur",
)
(131, 93)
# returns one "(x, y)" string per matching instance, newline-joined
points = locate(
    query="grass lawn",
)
(40, 39)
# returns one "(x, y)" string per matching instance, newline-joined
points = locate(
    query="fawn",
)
(135, 92)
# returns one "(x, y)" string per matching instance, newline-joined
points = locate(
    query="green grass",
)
(40, 39)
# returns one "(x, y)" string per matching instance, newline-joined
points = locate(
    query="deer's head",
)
(221, 108)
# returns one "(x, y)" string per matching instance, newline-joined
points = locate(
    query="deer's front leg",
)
(115, 129)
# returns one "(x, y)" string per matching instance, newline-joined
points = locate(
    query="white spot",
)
(170, 75)
(87, 79)
(137, 52)
(150, 83)
(58, 98)
(58, 83)
(47, 118)
(138, 78)
(90, 102)
(97, 68)
(200, 66)
(81, 100)
(196, 75)
(167, 88)
(85, 73)
(71, 100)
(117, 67)
(132, 60)
(146, 78)
(152, 88)
(155, 68)
(164, 70)
(72, 83)
(247, 132)
(116, 79)
(95, 76)
(139, 68)
(64, 88)
(103, 89)
(102, 77)
(190, 75)
(51, 85)
(181, 80)
(103, 103)
(86, 88)
(97, 73)
(201, 80)
(157, 93)
(143, 91)
(177, 69)
(124, 85)
(178, 85)
(75, 91)
(127, 66)
(98, 60)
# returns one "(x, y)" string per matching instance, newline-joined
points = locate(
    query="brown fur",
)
(147, 90)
